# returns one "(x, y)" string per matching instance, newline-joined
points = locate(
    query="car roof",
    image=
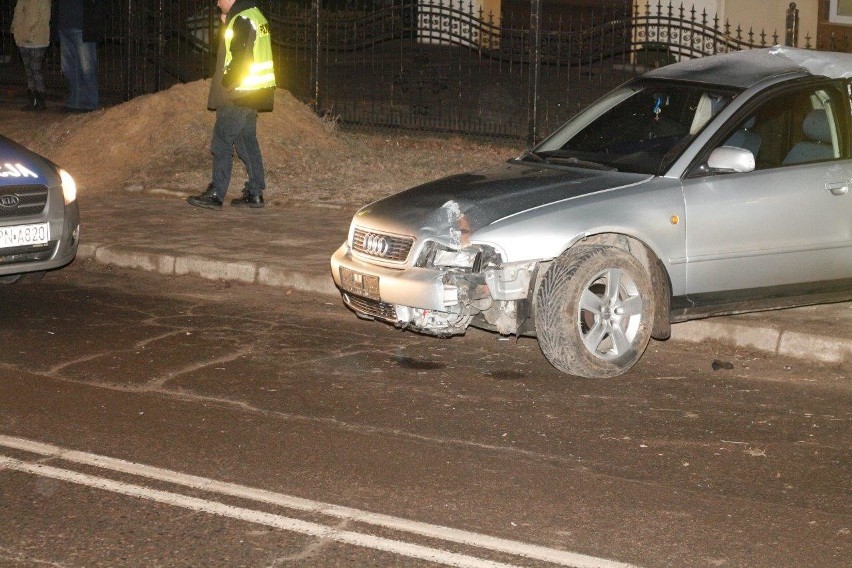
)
(744, 69)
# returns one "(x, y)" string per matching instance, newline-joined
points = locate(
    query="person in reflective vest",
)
(243, 85)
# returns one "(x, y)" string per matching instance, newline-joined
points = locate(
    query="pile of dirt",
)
(161, 142)
(165, 138)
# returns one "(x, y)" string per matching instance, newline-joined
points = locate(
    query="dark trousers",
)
(236, 128)
(79, 61)
(33, 58)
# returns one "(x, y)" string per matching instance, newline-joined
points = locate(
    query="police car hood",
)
(455, 207)
(19, 166)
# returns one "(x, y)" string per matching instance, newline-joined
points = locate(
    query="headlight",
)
(440, 256)
(69, 187)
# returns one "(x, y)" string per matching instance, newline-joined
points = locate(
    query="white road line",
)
(251, 516)
(559, 557)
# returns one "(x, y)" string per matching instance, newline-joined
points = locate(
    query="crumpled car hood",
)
(452, 208)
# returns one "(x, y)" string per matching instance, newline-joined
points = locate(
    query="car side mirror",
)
(731, 159)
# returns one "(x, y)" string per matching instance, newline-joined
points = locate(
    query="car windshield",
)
(641, 127)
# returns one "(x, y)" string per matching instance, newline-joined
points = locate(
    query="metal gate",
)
(440, 65)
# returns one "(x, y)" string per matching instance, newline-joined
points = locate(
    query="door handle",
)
(838, 187)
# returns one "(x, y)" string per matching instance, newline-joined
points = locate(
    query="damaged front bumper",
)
(439, 301)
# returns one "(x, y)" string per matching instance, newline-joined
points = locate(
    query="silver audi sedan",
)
(713, 186)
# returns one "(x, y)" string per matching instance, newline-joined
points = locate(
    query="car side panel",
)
(769, 228)
(651, 212)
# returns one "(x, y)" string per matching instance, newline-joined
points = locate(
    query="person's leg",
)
(225, 131)
(248, 150)
(27, 56)
(229, 123)
(69, 40)
(88, 57)
(36, 76)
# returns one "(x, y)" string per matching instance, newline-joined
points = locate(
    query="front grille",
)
(28, 253)
(370, 308)
(22, 200)
(393, 248)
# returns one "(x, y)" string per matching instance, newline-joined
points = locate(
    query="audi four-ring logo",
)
(376, 245)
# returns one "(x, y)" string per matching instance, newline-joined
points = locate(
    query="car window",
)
(792, 128)
(643, 130)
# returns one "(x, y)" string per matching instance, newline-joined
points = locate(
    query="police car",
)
(39, 217)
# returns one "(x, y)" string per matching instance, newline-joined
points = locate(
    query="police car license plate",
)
(359, 284)
(24, 235)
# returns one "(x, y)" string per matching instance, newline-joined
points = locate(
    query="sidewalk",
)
(290, 248)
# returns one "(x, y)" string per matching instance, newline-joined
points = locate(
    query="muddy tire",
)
(594, 312)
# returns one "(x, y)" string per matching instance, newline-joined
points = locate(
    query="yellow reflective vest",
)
(261, 74)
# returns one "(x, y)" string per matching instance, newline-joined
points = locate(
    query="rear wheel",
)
(594, 311)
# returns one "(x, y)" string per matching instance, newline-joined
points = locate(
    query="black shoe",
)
(38, 101)
(207, 200)
(31, 101)
(75, 110)
(248, 200)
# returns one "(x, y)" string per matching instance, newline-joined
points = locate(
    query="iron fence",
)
(443, 65)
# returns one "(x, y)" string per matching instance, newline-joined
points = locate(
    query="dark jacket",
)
(93, 18)
(222, 86)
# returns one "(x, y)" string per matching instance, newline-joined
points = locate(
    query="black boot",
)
(248, 200)
(207, 199)
(31, 102)
(38, 101)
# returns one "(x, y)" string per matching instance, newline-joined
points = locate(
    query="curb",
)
(210, 269)
(768, 340)
(780, 342)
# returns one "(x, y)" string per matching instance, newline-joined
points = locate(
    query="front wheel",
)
(594, 311)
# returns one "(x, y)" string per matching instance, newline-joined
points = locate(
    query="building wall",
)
(516, 13)
(770, 15)
(713, 7)
(832, 35)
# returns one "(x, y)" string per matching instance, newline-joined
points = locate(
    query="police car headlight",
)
(69, 186)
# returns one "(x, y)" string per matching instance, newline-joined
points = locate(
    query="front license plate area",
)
(360, 284)
(24, 235)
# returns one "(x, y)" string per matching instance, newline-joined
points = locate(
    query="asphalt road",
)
(178, 422)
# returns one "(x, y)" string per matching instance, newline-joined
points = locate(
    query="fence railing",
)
(418, 64)
(686, 33)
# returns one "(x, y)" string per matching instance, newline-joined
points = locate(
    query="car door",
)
(787, 225)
